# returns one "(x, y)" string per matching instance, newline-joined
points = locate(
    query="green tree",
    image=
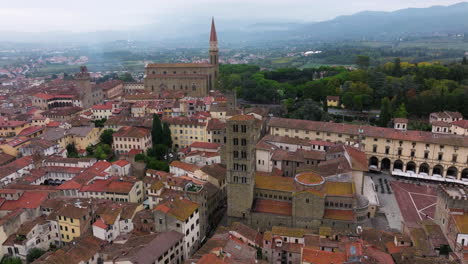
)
(167, 139)
(401, 111)
(158, 165)
(156, 131)
(11, 260)
(34, 254)
(72, 152)
(126, 77)
(362, 61)
(464, 61)
(100, 122)
(106, 137)
(385, 112)
(90, 150)
(99, 153)
(397, 68)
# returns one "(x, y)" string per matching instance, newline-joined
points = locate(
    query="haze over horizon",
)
(116, 15)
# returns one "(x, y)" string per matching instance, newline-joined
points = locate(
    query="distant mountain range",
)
(371, 25)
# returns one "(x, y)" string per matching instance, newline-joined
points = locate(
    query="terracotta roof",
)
(309, 178)
(289, 231)
(211, 258)
(184, 166)
(370, 131)
(277, 183)
(316, 256)
(30, 130)
(343, 215)
(10, 123)
(178, 208)
(242, 118)
(461, 222)
(247, 232)
(5, 158)
(340, 188)
(107, 106)
(400, 120)
(215, 124)
(205, 145)
(27, 200)
(461, 123)
(137, 132)
(100, 223)
(217, 171)
(121, 163)
(182, 120)
(272, 207)
(441, 124)
(332, 97)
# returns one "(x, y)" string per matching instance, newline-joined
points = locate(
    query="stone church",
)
(194, 79)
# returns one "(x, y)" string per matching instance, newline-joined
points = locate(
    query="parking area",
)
(415, 201)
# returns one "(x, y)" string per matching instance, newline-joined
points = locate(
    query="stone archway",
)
(452, 171)
(464, 174)
(398, 165)
(385, 164)
(438, 170)
(411, 166)
(424, 168)
(374, 161)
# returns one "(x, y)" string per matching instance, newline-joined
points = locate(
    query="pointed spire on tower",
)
(213, 36)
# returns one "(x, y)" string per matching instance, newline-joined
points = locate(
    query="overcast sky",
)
(94, 15)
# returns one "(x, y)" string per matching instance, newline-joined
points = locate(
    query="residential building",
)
(333, 101)
(160, 248)
(183, 216)
(128, 138)
(11, 128)
(38, 233)
(74, 220)
(446, 116)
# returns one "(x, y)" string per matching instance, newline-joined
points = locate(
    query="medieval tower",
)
(242, 135)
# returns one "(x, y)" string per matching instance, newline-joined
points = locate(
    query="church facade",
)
(194, 79)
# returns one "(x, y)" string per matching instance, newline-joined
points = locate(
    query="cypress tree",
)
(156, 131)
(167, 140)
(385, 112)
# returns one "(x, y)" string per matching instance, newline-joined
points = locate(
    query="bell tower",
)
(214, 51)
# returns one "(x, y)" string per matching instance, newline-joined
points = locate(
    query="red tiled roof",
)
(316, 256)
(370, 131)
(121, 163)
(441, 124)
(53, 124)
(99, 223)
(345, 215)
(461, 123)
(70, 185)
(30, 130)
(137, 132)
(205, 145)
(242, 118)
(103, 107)
(272, 207)
(27, 200)
(184, 166)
